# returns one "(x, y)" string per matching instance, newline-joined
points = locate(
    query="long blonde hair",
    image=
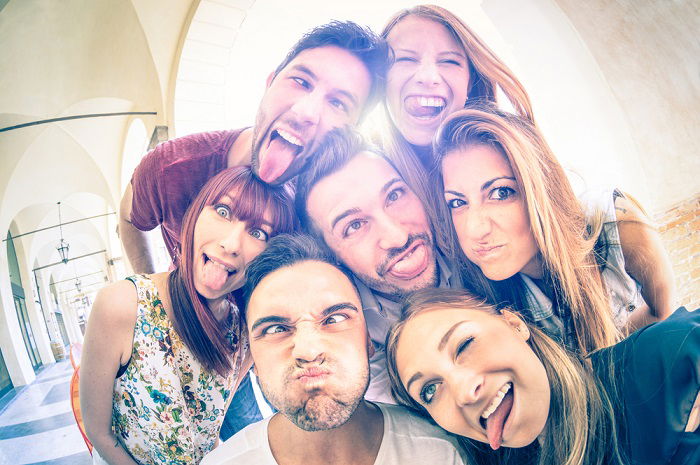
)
(557, 220)
(580, 428)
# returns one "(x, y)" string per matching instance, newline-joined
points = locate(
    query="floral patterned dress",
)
(167, 408)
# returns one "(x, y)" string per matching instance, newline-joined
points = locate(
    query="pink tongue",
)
(414, 108)
(214, 276)
(276, 159)
(495, 422)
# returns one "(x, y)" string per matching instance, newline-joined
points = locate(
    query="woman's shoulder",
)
(113, 303)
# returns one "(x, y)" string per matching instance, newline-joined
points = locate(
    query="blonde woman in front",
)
(515, 396)
(585, 279)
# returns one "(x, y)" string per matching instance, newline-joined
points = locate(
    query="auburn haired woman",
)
(585, 273)
(164, 353)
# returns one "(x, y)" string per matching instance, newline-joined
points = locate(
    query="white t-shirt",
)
(408, 439)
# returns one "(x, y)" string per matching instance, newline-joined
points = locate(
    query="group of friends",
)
(432, 293)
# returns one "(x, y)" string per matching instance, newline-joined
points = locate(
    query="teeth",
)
(431, 101)
(221, 265)
(289, 138)
(496, 401)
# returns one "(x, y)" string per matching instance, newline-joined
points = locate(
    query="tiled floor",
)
(37, 425)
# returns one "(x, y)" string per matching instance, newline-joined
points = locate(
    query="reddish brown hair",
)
(196, 325)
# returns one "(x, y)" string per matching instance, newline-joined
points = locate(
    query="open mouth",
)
(216, 273)
(424, 107)
(411, 263)
(495, 415)
(279, 154)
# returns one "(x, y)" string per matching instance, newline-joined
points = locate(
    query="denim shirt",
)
(623, 291)
(380, 314)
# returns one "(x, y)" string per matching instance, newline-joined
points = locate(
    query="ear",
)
(270, 78)
(517, 323)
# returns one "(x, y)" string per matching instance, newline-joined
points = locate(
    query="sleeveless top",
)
(624, 293)
(167, 408)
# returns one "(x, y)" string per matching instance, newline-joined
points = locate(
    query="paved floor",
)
(37, 425)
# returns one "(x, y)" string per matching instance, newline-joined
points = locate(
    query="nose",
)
(306, 111)
(465, 386)
(427, 73)
(477, 223)
(308, 345)
(392, 232)
(232, 238)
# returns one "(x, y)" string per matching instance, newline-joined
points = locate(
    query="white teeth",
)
(221, 265)
(496, 401)
(289, 138)
(431, 101)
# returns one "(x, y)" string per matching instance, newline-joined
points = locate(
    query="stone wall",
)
(680, 230)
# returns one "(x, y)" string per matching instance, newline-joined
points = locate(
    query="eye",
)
(428, 392)
(335, 318)
(339, 104)
(353, 227)
(274, 329)
(302, 82)
(259, 234)
(463, 346)
(223, 211)
(456, 203)
(395, 195)
(451, 62)
(404, 60)
(502, 193)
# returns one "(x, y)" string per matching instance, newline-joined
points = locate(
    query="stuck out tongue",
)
(495, 421)
(276, 159)
(214, 275)
(414, 108)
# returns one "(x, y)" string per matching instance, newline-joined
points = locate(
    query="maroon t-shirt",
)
(170, 176)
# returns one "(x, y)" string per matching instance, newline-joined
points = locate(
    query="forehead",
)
(339, 191)
(475, 162)
(299, 289)
(412, 31)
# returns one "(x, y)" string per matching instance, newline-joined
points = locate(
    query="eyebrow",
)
(450, 52)
(414, 378)
(488, 183)
(348, 212)
(389, 184)
(448, 334)
(341, 306)
(269, 319)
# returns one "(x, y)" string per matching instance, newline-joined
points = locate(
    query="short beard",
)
(320, 411)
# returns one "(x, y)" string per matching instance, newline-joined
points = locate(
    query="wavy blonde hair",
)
(565, 241)
(580, 429)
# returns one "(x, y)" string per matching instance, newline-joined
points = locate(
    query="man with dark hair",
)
(310, 346)
(329, 79)
(353, 200)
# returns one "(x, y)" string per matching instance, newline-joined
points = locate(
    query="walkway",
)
(37, 425)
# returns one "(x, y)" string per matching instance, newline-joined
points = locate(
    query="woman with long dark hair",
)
(164, 353)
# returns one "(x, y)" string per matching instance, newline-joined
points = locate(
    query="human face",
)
(223, 248)
(320, 89)
(489, 214)
(380, 230)
(309, 343)
(428, 80)
(475, 374)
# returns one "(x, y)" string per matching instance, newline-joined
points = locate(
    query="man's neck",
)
(355, 442)
(240, 152)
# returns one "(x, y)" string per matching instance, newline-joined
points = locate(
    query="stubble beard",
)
(318, 410)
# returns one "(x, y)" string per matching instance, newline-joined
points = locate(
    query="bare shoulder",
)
(115, 306)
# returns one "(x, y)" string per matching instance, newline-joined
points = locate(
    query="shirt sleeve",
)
(147, 204)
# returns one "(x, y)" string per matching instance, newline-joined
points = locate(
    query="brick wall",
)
(680, 231)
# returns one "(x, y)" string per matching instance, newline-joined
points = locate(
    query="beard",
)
(319, 409)
(393, 291)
